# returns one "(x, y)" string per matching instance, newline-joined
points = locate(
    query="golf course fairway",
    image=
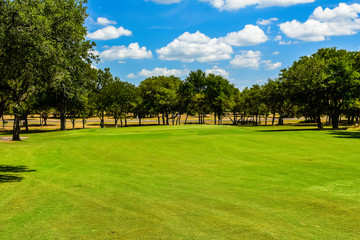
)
(182, 182)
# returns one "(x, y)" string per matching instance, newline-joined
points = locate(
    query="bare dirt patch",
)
(9, 139)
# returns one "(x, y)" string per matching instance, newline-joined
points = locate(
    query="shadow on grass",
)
(345, 134)
(10, 132)
(5, 177)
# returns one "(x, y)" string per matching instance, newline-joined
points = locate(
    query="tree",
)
(218, 94)
(159, 95)
(122, 97)
(193, 93)
(342, 79)
(99, 96)
(306, 78)
(25, 52)
(74, 55)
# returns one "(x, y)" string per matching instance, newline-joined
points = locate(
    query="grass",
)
(182, 182)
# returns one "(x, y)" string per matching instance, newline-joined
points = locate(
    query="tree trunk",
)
(102, 116)
(83, 122)
(159, 119)
(319, 123)
(26, 123)
(139, 121)
(3, 120)
(273, 120)
(16, 128)
(281, 121)
(73, 123)
(335, 121)
(167, 117)
(187, 115)
(163, 118)
(116, 121)
(125, 121)
(214, 118)
(63, 117)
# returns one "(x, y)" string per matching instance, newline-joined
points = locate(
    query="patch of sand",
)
(8, 139)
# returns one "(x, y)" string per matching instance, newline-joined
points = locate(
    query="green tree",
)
(99, 96)
(26, 51)
(218, 94)
(159, 94)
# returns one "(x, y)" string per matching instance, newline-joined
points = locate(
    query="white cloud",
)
(190, 47)
(324, 23)
(249, 36)
(217, 71)
(269, 65)
(265, 22)
(109, 32)
(164, 1)
(160, 72)
(133, 51)
(247, 59)
(104, 21)
(276, 53)
(197, 46)
(232, 5)
(131, 75)
(252, 59)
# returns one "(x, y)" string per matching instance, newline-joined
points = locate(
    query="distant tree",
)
(99, 96)
(193, 93)
(122, 99)
(159, 94)
(218, 94)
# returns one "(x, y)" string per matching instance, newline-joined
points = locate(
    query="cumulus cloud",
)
(217, 71)
(232, 5)
(249, 36)
(164, 1)
(266, 22)
(133, 51)
(109, 32)
(104, 21)
(190, 47)
(159, 72)
(324, 23)
(252, 59)
(247, 59)
(269, 65)
(197, 46)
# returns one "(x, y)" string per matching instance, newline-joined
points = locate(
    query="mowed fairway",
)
(182, 182)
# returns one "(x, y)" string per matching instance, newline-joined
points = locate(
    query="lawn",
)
(182, 182)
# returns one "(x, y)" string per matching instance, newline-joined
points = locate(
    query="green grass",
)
(184, 182)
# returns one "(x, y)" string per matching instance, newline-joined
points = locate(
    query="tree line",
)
(45, 66)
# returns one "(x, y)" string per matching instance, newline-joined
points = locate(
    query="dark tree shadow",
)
(290, 130)
(345, 134)
(8, 178)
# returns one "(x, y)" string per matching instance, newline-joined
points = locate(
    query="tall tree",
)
(341, 81)
(26, 50)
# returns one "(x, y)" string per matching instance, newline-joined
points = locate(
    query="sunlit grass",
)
(181, 182)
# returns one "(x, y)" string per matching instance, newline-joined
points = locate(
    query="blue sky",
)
(246, 41)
